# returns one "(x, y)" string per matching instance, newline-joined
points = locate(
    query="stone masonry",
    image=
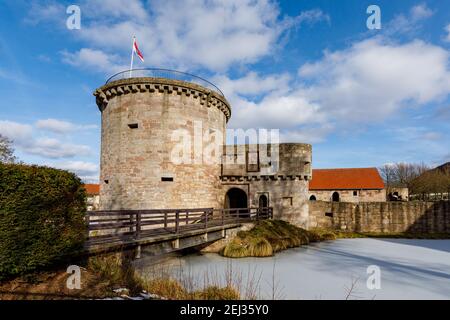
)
(140, 117)
(351, 195)
(382, 217)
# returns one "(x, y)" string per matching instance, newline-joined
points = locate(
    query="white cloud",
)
(96, 60)
(374, 78)
(253, 84)
(60, 126)
(344, 90)
(275, 112)
(53, 148)
(410, 22)
(87, 171)
(19, 133)
(432, 136)
(447, 36)
(307, 134)
(81, 168)
(420, 12)
(312, 16)
(46, 11)
(417, 134)
(16, 76)
(200, 33)
(115, 9)
(24, 138)
(55, 125)
(185, 34)
(266, 102)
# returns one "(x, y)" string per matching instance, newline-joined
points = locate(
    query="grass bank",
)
(265, 239)
(109, 276)
(119, 273)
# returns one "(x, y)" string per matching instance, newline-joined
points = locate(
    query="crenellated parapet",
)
(206, 97)
(275, 177)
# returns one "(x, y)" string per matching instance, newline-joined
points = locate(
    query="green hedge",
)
(41, 217)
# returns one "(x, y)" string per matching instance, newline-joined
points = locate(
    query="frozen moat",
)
(409, 269)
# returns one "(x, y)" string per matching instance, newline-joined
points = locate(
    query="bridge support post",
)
(176, 244)
(138, 252)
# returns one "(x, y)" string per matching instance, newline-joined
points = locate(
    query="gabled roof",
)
(342, 179)
(92, 189)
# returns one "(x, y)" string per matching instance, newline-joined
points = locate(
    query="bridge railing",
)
(129, 225)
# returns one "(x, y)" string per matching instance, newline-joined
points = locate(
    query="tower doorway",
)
(263, 201)
(235, 199)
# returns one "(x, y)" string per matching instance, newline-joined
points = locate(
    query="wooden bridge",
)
(162, 231)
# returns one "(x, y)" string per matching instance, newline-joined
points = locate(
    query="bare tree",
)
(406, 172)
(387, 173)
(402, 174)
(6, 150)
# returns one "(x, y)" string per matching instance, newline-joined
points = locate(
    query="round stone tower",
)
(154, 130)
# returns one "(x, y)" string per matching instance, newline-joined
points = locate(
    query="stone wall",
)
(284, 181)
(139, 118)
(137, 170)
(93, 202)
(284, 159)
(288, 197)
(350, 196)
(424, 217)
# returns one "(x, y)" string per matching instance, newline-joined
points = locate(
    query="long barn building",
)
(347, 185)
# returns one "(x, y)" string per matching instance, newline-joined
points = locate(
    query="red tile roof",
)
(92, 189)
(341, 179)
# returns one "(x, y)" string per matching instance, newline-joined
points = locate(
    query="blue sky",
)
(309, 68)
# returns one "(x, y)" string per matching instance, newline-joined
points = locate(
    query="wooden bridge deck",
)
(125, 228)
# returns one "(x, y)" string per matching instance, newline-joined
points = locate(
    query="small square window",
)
(355, 193)
(287, 201)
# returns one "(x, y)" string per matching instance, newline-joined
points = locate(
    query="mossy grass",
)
(265, 239)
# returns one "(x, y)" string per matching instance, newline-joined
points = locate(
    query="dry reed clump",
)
(116, 271)
(265, 239)
(317, 235)
(167, 288)
(172, 289)
(216, 293)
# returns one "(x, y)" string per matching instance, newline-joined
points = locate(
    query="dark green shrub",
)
(41, 217)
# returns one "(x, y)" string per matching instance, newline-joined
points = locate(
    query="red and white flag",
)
(136, 50)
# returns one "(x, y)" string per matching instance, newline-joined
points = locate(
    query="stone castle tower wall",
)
(139, 116)
(285, 187)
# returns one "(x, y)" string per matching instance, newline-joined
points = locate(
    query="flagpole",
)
(132, 55)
